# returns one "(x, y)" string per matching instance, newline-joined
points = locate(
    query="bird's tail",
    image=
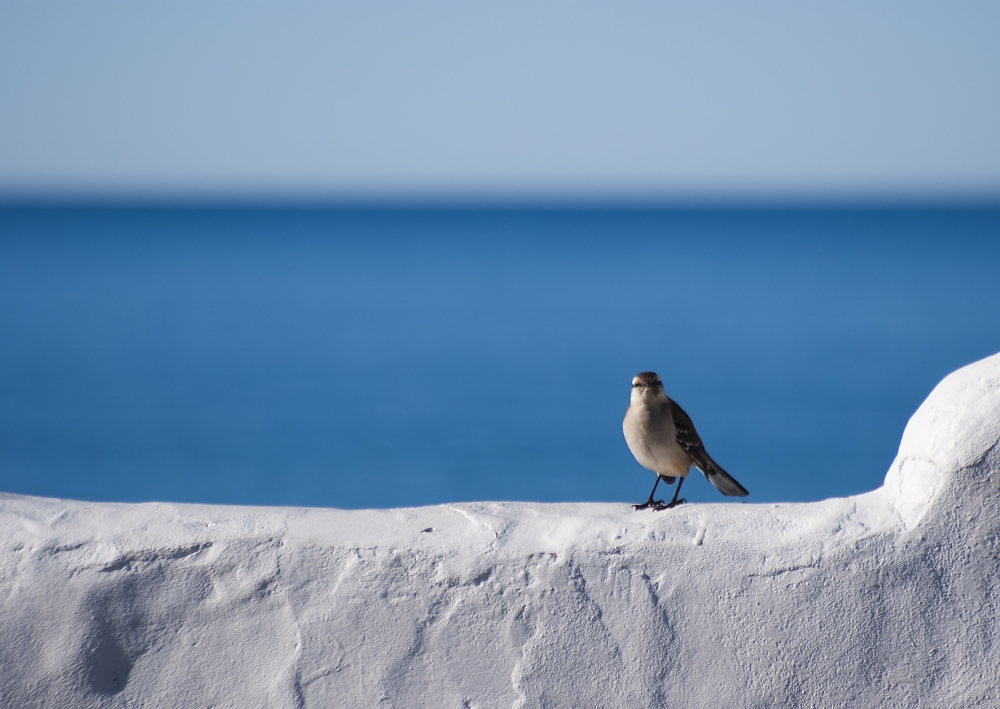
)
(722, 480)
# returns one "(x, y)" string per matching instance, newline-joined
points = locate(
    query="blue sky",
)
(489, 99)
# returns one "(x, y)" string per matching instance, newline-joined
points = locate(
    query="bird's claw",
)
(659, 505)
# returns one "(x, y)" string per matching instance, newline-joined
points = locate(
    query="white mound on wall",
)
(884, 599)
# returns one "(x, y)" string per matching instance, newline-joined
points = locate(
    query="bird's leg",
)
(674, 502)
(655, 504)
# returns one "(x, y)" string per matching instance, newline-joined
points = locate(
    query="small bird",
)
(662, 438)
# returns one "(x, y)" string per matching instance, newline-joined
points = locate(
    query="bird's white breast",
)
(652, 438)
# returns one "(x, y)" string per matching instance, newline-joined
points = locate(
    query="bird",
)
(662, 438)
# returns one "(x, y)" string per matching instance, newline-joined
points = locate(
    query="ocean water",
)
(390, 357)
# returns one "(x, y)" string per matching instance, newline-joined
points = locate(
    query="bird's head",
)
(646, 386)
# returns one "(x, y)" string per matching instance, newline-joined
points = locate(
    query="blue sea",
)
(383, 356)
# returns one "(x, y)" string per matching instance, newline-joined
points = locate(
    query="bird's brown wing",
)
(688, 439)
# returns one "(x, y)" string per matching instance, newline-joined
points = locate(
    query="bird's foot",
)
(673, 504)
(650, 504)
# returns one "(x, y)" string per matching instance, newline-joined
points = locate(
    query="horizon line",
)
(502, 203)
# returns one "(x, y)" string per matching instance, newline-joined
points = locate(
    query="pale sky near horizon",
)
(490, 99)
